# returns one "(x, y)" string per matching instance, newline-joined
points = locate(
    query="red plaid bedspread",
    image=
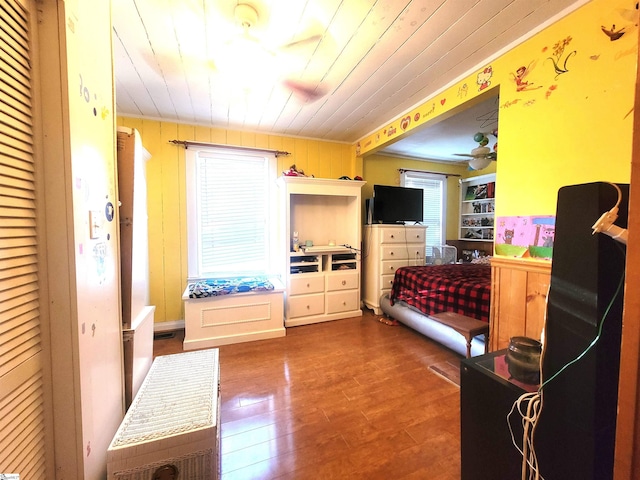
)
(460, 288)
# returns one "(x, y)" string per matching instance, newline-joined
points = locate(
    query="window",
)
(230, 211)
(435, 194)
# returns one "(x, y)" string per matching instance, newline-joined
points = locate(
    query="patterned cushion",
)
(212, 287)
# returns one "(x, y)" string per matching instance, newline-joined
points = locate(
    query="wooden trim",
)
(528, 264)
(627, 452)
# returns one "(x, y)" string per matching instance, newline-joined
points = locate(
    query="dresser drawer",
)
(304, 284)
(416, 255)
(305, 305)
(411, 252)
(415, 235)
(386, 282)
(342, 301)
(395, 252)
(343, 281)
(393, 235)
(389, 267)
(402, 235)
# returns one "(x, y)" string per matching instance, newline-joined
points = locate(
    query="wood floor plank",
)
(349, 399)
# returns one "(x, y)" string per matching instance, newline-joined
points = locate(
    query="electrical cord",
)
(353, 249)
(605, 223)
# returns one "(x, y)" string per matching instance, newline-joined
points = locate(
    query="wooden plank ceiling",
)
(333, 69)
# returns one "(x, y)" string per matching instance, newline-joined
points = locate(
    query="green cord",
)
(595, 340)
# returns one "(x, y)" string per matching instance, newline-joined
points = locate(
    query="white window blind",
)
(229, 210)
(435, 194)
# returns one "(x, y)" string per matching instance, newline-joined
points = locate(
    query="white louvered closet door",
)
(22, 431)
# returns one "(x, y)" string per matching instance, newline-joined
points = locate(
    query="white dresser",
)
(387, 248)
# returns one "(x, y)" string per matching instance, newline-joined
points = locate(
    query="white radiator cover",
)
(138, 351)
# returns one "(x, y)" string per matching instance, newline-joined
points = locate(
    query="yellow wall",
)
(167, 195)
(563, 128)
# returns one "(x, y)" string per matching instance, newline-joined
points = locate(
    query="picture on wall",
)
(524, 236)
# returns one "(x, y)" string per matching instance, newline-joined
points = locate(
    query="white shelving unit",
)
(323, 282)
(477, 206)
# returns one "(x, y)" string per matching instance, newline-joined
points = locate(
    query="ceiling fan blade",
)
(305, 91)
(302, 42)
(490, 156)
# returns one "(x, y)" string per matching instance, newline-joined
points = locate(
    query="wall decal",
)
(612, 33)
(484, 78)
(560, 63)
(100, 253)
(520, 78)
(510, 103)
(109, 211)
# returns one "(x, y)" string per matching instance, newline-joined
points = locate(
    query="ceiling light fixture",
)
(243, 59)
(478, 163)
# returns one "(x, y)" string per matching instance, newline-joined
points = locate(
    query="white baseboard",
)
(167, 326)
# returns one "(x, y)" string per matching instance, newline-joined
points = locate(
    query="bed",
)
(421, 291)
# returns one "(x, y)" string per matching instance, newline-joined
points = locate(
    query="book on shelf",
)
(471, 193)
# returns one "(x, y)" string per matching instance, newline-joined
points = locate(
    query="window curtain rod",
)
(402, 170)
(187, 144)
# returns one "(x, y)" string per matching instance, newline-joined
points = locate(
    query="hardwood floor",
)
(349, 399)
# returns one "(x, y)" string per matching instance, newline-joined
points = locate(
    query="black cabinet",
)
(486, 397)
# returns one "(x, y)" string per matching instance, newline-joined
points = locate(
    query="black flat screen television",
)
(397, 204)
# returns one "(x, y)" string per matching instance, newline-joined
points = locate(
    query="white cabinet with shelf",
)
(387, 248)
(323, 282)
(477, 205)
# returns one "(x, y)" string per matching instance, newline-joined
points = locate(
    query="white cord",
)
(605, 223)
(529, 406)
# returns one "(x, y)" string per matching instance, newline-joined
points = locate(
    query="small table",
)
(466, 326)
(487, 394)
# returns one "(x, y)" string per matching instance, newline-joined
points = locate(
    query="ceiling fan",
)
(481, 156)
(246, 55)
